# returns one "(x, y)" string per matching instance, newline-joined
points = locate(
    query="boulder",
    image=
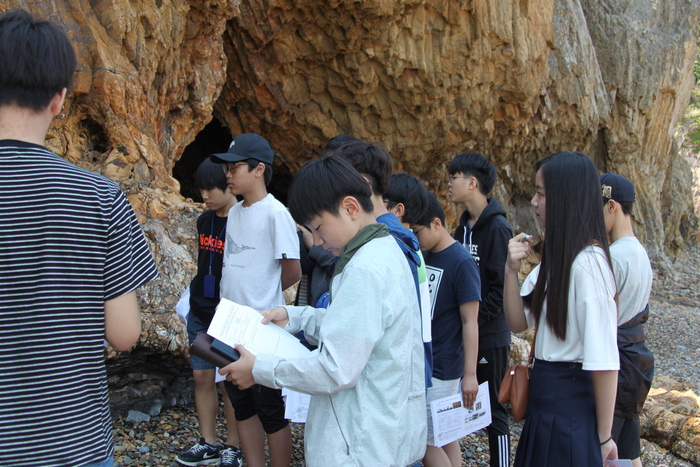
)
(671, 418)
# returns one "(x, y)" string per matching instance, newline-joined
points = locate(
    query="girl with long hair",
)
(570, 299)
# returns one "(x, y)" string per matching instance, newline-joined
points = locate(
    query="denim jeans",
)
(107, 463)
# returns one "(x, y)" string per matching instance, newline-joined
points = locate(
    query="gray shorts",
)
(439, 390)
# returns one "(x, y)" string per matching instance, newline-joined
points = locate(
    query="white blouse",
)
(591, 331)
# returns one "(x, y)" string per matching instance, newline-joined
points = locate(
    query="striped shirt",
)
(69, 241)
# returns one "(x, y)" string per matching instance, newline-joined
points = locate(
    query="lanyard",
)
(211, 252)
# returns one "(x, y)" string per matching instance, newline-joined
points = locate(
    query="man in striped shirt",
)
(71, 257)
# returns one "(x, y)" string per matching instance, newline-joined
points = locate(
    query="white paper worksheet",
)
(237, 324)
(296, 405)
(451, 421)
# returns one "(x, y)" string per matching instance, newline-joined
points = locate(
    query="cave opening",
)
(213, 138)
(216, 138)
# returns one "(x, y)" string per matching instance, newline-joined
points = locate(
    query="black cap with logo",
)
(246, 146)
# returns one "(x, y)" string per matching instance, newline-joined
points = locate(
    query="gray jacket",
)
(366, 379)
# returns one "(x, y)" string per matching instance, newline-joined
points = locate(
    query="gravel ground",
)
(159, 441)
(673, 334)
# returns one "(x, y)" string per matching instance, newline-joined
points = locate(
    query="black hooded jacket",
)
(487, 242)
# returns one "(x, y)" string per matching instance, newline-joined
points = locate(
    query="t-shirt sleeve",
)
(596, 314)
(467, 282)
(285, 236)
(527, 287)
(128, 262)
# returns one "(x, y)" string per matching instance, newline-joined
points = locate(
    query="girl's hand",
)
(609, 452)
(518, 250)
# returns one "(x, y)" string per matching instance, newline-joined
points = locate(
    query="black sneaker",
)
(231, 456)
(200, 454)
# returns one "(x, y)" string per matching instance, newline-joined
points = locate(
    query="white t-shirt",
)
(257, 237)
(591, 328)
(633, 277)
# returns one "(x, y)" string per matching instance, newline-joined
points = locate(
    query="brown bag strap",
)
(531, 358)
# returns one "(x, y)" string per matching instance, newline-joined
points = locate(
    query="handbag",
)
(515, 386)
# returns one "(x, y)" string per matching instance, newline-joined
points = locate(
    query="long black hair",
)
(573, 221)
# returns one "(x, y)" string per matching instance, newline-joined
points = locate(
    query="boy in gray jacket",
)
(366, 378)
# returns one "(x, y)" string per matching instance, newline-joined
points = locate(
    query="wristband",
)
(606, 441)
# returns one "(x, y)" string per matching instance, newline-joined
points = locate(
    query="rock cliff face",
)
(514, 79)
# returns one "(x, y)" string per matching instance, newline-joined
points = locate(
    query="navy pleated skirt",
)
(560, 427)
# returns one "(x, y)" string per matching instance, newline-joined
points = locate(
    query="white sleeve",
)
(527, 287)
(353, 324)
(305, 318)
(285, 239)
(596, 314)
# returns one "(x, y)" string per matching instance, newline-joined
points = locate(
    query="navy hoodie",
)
(487, 241)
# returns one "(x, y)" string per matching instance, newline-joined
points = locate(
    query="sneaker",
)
(231, 456)
(200, 454)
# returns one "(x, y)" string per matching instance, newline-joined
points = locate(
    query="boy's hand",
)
(277, 315)
(306, 236)
(470, 387)
(240, 372)
(518, 250)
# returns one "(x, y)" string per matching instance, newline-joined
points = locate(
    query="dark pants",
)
(491, 367)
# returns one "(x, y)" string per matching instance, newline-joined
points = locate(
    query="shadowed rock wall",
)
(516, 80)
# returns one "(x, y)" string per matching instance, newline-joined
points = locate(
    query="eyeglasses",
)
(232, 167)
(390, 204)
(452, 177)
(416, 232)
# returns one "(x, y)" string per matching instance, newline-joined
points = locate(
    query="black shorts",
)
(258, 400)
(626, 433)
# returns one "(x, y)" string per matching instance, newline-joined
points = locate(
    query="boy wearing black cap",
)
(633, 276)
(261, 259)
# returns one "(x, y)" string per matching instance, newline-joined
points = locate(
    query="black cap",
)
(244, 147)
(618, 188)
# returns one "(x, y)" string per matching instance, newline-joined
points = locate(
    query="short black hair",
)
(409, 191)
(338, 141)
(210, 175)
(36, 61)
(473, 164)
(321, 184)
(432, 212)
(371, 161)
(626, 207)
(253, 163)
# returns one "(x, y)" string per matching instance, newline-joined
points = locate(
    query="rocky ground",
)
(158, 441)
(673, 334)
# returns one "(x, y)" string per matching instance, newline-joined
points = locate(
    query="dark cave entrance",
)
(216, 138)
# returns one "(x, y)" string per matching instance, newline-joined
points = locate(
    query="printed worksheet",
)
(237, 324)
(296, 405)
(451, 421)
